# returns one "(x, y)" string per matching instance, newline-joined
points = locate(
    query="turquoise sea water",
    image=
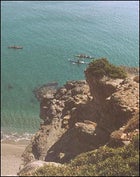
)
(51, 33)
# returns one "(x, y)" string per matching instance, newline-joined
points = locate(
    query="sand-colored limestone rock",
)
(87, 127)
(83, 115)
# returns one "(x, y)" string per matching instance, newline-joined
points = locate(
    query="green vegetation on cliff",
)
(102, 67)
(105, 161)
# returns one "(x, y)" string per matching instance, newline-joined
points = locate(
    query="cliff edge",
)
(83, 115)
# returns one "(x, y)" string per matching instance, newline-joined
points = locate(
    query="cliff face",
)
(116, 100)
(57, 136)
(83, 115)
(117, 105)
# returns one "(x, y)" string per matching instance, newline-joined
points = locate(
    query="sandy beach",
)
(11, 158)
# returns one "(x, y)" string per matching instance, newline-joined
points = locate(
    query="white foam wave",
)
(16, 137)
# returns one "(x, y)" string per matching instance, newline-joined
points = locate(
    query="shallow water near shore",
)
(51, 33)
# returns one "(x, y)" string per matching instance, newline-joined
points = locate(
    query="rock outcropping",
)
(33, 166)
(83, 115)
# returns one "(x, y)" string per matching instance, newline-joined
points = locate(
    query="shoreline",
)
(11, 157)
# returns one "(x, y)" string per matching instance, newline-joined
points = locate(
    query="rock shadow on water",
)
(49, 89)
(10, 87)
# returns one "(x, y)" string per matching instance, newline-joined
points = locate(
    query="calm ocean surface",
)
(51, 33)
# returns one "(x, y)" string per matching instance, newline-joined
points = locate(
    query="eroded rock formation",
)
(83, 115)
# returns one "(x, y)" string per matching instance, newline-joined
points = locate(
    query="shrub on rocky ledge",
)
(105, 161)
(102, 67)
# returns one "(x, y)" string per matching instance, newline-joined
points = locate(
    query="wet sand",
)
(11, 158)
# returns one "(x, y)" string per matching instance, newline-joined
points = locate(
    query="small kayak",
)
(15, 47)
(84, 56)
(77, 62)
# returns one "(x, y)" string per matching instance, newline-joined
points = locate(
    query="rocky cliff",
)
(83, 115)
